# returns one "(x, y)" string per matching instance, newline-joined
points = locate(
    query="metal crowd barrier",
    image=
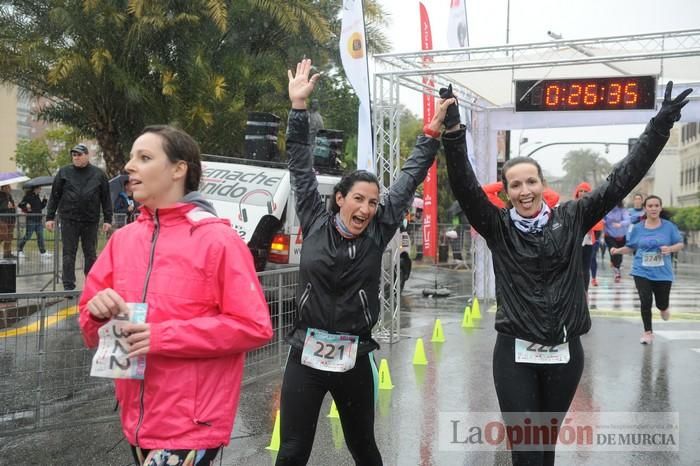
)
(36, 270)
(44, 371)
(453, 245)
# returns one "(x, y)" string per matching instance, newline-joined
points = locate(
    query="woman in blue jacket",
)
(652, 241)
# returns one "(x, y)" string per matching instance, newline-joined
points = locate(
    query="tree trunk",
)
(112, 151)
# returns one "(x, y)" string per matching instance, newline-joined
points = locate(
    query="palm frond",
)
(99, 59)
(218, 13)
(291, 15)
(218, 84)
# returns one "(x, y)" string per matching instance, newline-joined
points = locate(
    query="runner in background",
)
(597, 244)
(617, 222)
(637, 209)
(652, 241)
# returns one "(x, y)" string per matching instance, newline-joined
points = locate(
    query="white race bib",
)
(110, 358)
(329, 352)
(652, 259)
(535, 353)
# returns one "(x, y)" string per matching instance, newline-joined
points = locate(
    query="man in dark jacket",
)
(32, 205)
(78, 192)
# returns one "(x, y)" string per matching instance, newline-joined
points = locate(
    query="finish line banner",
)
(578, 431)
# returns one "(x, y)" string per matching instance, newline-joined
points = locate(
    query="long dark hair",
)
(348, 181)
(178, 145)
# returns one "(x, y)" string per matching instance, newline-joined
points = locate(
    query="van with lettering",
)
(257, 198)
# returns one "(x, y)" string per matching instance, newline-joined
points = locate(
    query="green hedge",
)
(687, 218)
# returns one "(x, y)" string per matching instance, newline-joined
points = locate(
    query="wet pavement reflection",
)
(620, 375)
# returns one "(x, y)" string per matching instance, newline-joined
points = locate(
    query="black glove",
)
(670, 111)
(452, 115)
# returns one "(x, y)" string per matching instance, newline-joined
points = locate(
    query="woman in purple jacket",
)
(617, 221)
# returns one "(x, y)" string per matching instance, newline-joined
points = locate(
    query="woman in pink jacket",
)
(205, 307)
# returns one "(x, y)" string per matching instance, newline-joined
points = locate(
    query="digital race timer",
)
(620, 93)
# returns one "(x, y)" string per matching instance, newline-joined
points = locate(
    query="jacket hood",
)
(196, 209)
(196, 198)
(582, 187)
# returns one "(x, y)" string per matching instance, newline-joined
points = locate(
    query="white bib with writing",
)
(535, 353)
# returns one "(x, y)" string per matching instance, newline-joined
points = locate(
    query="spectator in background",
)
(637, 209)
(124, 207)
(315, 122)
(8, 216)
(78, 192)
(617, 221)
(32, 205)
(589, 244)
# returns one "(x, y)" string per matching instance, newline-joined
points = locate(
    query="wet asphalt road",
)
(620, 375)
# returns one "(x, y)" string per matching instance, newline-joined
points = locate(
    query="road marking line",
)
(50, 320)
(679, 334)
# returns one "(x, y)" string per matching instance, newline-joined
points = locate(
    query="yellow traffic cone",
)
(334, 411)
(438, 336)
(384, 376)
(275, 440)
(476, 313)
(419, 358)
(467, 320)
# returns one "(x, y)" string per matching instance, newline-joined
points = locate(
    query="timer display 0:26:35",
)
(619, 93)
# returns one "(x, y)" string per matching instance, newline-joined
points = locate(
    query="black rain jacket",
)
(78, 193)
(540, 292)
(339, 278)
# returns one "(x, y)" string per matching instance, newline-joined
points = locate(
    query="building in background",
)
(662, 177)
(8, 127)
(688, 177)
(18, 121)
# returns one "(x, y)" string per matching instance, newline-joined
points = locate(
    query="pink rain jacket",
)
(206, 309)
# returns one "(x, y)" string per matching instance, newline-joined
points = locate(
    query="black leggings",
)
(660, 290)
(594, 259)
(586, 253)
(611, 242)
(533, 388)
(303, 390)
(71, 233)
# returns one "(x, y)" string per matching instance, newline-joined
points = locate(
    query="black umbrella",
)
(38, 181)
(116, 186)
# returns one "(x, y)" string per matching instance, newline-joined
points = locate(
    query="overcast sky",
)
(529, 22)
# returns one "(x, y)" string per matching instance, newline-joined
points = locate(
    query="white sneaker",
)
(20, 253)
(46, 255)
(665, 315)
(647, 338)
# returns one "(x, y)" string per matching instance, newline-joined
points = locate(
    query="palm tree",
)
(110, 67)
(584, 165)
